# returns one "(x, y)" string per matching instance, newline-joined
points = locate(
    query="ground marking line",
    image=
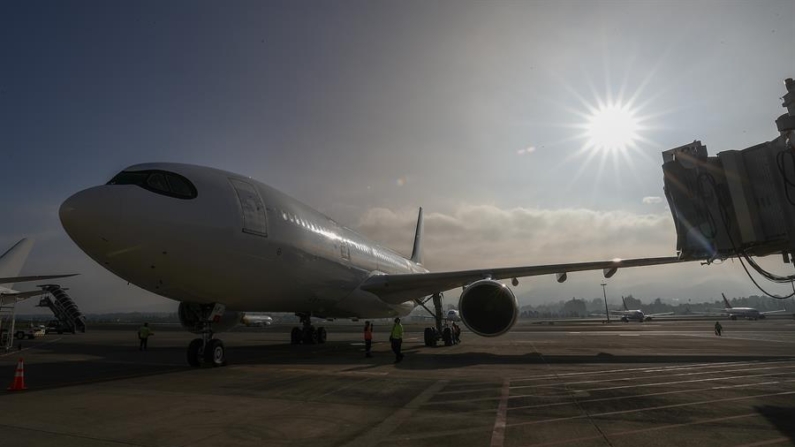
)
(767, 442)
(642, 430)
(73, 435)
(626, 379)
(663, 393)
(391, 423)
(677, 382)
(32, 347)
(573, 397)
(492, 388)
(520, 396)
(661, 407)
(498, 434)
(649, 369)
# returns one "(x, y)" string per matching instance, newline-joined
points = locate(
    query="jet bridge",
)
(63, 307)
(738, 203)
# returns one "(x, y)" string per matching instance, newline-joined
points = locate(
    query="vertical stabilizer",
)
(625, 302)
(728, 306)
(12, 261)
(416, 253)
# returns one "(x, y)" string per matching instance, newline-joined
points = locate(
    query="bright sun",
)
(612, 128)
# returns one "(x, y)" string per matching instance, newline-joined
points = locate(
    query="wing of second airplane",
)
(16, 279)
(773, 312)
(396, 289)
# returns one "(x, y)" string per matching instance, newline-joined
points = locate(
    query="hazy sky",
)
(368, 110)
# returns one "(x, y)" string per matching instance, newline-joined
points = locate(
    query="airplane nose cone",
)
(87, 214)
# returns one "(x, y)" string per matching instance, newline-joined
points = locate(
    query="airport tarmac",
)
(651, 384)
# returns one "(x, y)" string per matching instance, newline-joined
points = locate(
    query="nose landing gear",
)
(207, 350)
(307, 334)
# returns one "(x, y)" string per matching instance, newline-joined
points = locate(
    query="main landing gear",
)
(437, 333)
(307, 334)
(207, 350)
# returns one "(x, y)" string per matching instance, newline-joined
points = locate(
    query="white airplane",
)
(255, 319)
(745, 312)
(10, 265)
(636, 314)
(222, 243)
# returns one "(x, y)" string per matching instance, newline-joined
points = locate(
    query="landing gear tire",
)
(447, 336)
(195, 352)
(625, 319)
(310, 335)
(430, 337)
(295, 336)
(19, 335)
(214, 353)
(734, 317)
(321, 335)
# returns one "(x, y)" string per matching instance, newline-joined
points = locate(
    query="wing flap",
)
(396, 289)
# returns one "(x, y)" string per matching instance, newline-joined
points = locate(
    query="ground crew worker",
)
(456, 333)
(368, 339)
(143, 336)
(396, 338)
(718, 328)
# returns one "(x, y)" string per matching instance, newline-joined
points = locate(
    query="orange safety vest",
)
(368, 333)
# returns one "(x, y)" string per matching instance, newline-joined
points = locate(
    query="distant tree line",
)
(582, 308)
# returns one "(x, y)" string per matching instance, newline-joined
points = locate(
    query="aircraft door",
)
(255, 218)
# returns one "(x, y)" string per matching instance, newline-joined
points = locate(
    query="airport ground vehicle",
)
(29, 333)
(56, 327)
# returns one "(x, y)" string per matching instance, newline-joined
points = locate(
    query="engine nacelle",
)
(488, 308)
(191, 316)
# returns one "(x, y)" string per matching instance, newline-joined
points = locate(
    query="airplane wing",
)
(22, 295)
(773, 312)
(620, 312)
(16, 279)
(397, 289)
(660, 314)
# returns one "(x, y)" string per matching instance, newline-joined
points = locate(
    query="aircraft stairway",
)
(64, 308)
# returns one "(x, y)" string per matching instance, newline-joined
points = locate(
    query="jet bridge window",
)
(255, 219)
(160, 182)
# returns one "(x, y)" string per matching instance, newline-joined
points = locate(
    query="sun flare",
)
(612, 128)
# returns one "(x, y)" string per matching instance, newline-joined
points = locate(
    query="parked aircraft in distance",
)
(636, 314)
(254, 319)
(10, 265)
(745, 312)
(220, 243)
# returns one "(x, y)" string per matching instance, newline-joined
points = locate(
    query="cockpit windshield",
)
(160, 182)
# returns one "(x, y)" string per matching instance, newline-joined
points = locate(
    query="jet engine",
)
(488, 308)
(191, 316)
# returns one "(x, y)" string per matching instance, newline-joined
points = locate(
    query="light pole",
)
(607, 312)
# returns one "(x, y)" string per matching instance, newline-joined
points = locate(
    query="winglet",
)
(416, 253)
(625, 303)
(728, 306)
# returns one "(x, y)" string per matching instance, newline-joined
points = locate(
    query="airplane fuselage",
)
(228, 239)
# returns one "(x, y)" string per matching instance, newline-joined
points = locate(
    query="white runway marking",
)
(387, 426)
(661, 407)
(627, 379)
(498, 434)
(649, 369)
(635, 396)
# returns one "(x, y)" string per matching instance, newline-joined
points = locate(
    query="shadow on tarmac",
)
(783, 418)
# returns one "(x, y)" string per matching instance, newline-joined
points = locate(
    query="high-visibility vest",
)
(144, 332)
(368, 333)
(397, 331)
